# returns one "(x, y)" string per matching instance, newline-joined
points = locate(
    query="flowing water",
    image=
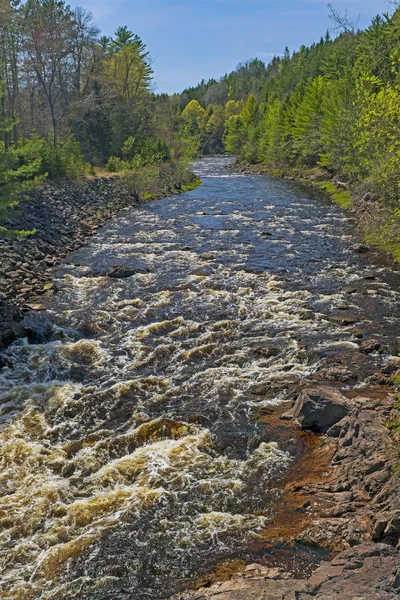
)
(133, 457)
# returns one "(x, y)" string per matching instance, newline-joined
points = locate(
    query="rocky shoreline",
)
(356, 507)
(64, 215)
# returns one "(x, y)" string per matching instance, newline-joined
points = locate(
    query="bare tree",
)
(342, 20)
(48, 46)
(84, 38)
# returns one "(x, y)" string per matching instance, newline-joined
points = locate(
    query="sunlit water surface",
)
(132, 454)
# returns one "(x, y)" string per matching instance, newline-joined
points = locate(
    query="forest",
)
(74, 102)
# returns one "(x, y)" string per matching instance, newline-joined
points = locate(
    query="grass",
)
(341, 197)
(191, 186)
(385, 235)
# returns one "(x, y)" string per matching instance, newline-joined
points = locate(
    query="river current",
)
(133, 456)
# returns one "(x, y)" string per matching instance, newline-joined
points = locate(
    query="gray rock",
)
(318, 408)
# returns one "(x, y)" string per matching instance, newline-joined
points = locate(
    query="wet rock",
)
(338, 374)
(38, 329)
(317, 409)
(360, 248)
(11, 325)
(344, 320)
(368, 571)
(207, 256)
(266, 351)
(358, 333)
(370, 346)
(123, 271)
(390, 369)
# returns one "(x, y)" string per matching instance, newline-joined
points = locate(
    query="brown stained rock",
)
(366, 572)
(337, 374)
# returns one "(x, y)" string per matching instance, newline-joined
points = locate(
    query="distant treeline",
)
(333, 105)
(71, 100)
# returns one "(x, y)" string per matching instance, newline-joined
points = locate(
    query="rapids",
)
(133, 455)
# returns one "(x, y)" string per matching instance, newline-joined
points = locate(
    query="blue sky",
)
(207, 38)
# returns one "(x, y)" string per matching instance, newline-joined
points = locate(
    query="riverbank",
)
(64, 216)
(377, 224)
(352, 507)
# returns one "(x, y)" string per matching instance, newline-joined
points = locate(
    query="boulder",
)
(370, 346)
(318, 408)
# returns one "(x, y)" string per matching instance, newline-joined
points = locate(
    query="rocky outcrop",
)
(318, 408)
(355, 509)
(369, 571)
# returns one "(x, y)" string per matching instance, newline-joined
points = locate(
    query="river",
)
(133, 452)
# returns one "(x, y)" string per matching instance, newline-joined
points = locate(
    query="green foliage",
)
(20, 172)
(141, 182)
(334, 105)
(341, 197)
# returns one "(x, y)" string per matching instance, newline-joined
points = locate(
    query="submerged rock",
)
(123, 271)
(318, 408)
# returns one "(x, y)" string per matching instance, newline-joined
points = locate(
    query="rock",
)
(358, 333)
(338, 374)
(123, 271)
(207, 256)
(344, 320)
(350, 290)
(360, 248)
(370, 346)
(38, 329)
(317, 409)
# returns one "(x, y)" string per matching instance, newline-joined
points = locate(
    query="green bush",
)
(142, 182)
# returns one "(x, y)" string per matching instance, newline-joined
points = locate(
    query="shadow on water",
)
(135, 453)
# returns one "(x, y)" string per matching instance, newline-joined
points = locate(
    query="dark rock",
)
(38, 329)
(360, 248)
(370, 346)
(123, 271)
(390, 369)
(317, 409)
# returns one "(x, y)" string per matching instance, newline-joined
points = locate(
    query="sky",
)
(189, 41)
